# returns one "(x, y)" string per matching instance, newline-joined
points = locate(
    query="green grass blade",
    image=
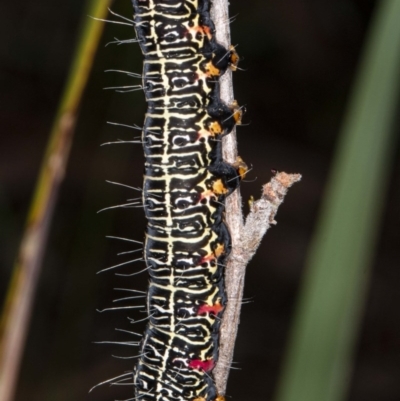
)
(19, 300)
(319, 358)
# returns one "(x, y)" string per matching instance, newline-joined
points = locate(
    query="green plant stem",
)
(319, 358)
(19, 300)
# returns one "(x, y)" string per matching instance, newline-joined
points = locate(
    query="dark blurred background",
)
(300, 58)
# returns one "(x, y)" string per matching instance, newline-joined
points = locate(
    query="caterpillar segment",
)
(185, 185)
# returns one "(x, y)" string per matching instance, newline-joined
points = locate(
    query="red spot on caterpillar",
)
(215, 309)
(207, 258)
(198, 364)
(204, 30)
(207, 31)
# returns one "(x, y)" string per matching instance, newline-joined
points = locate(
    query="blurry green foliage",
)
(321, 348)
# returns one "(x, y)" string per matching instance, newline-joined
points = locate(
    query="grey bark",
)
(246, 235)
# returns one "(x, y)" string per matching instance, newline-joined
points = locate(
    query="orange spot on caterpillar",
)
(220, 398)
(211, 70)
(241, 167)
(218, 251)
(215, 128)
(237, 112)
(198, 364)
(234, 58)
(215, 309)
(219, 188)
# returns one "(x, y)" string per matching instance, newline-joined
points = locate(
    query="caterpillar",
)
(185, 184)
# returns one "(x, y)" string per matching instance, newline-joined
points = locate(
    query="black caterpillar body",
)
(185, 185)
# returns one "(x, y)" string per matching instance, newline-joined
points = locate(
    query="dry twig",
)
(247, 236)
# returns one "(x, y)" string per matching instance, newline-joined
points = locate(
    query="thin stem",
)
(18, 305)
(245, 237)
